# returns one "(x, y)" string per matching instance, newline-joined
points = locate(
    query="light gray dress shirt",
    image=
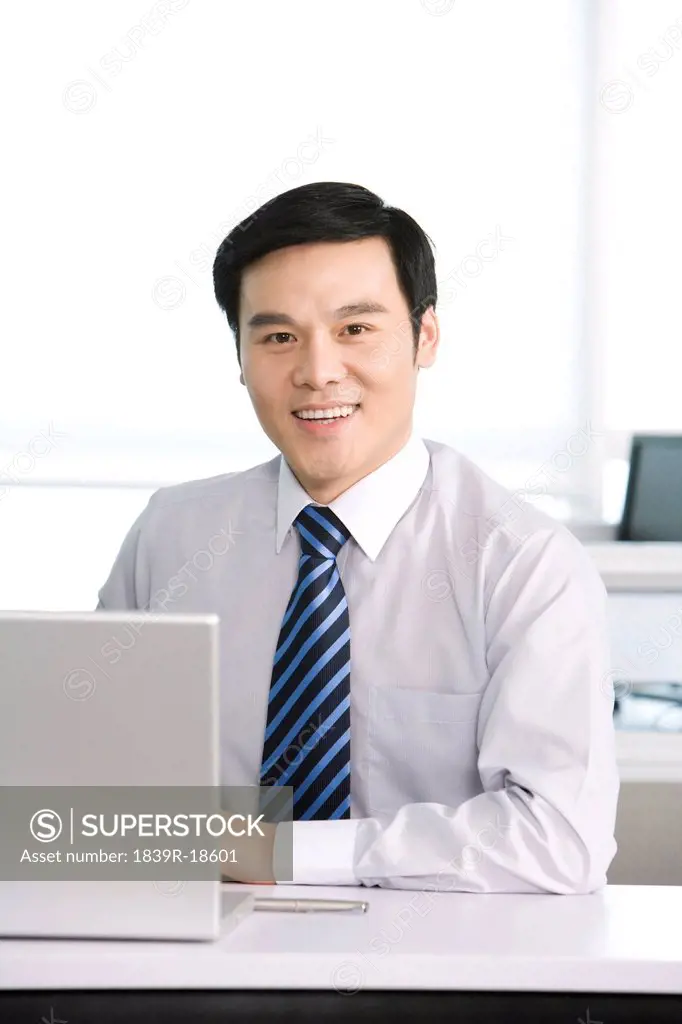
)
(482, 736)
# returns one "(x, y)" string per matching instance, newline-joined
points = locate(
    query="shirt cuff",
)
(323, 851)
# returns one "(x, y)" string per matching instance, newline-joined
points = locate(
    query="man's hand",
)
(250, 857)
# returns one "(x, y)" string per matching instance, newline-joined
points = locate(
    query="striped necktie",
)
(307, 736)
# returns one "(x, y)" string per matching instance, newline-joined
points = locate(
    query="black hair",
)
(327, 211)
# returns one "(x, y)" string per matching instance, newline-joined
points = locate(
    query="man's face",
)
(305, 349)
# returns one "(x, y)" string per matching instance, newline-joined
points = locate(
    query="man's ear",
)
(241, 379)
(429, 338)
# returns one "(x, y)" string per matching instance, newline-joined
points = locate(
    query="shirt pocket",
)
(421, 748)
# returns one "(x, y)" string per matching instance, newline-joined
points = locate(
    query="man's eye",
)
(286, 335)
(278, 334)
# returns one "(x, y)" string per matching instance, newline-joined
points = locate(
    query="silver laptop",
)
(111, 699)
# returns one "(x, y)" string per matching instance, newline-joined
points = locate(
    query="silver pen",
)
(309, 906)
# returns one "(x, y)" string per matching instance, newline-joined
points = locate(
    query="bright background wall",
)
(536, 143)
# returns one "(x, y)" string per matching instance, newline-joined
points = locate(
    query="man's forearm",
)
(504, 841)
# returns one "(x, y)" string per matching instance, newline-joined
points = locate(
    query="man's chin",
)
(325, 467)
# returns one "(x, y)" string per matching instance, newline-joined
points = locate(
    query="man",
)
(420, 654)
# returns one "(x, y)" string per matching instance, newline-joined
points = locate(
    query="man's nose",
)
(319, 363)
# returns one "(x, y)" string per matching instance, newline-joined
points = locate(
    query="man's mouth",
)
(338, 412)
(326, 421)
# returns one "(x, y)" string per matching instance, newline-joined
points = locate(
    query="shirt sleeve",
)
(127, 586)
(546, 754)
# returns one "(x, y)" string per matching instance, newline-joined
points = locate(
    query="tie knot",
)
(322, 533)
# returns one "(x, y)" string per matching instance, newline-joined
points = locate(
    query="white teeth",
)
(326, 414)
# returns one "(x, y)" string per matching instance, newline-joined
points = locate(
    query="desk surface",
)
(624, 939)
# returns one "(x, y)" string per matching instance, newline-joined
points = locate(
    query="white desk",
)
(624, 939)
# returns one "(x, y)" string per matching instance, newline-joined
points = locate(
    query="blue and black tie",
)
(307, 736)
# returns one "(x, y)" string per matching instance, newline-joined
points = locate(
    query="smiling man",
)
(421, 655)
(333, 386)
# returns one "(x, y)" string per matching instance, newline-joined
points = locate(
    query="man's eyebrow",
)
(358, 309)
(350, 309)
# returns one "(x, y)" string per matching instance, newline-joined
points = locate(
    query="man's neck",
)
(328, 491)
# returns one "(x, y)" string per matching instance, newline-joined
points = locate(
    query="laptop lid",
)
(109, 699)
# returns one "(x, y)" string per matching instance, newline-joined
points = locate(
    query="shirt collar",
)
(370, 508)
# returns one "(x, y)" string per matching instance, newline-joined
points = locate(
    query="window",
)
(151, 138)
(637, 223)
